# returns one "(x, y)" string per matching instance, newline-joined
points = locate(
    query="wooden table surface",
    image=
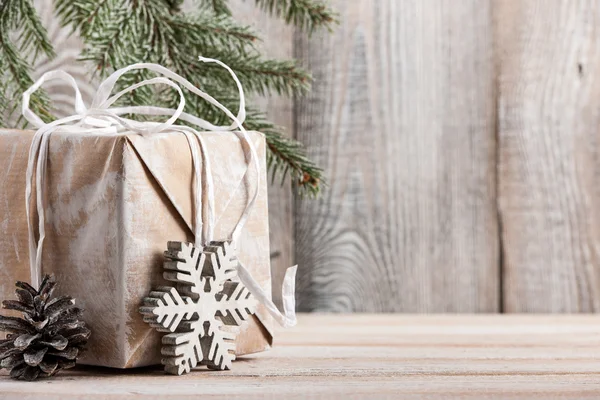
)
(374, 356)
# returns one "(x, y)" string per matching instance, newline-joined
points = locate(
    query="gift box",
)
(111, 203)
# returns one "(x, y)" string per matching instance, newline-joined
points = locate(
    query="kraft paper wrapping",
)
(112, 204)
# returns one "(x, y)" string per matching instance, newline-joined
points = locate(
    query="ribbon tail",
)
(288, 294)
(288, 318)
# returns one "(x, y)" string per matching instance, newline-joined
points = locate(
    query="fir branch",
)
(209, 31)
(33, 38)
(82, 15)
(305, 14)
(287, 156)
(263, 76)
(176, 40)
(19, 16)
(222, 39)
(258, 75)
(121, 32)
(112, 48)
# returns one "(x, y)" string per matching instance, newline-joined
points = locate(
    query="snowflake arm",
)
(220, 349)
(221, 262)
(184, 264)
(236, 304)
(164, 309)
(182, 351)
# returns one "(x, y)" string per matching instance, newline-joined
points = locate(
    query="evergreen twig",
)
(19, 19)
(287, 156)
(117, 33)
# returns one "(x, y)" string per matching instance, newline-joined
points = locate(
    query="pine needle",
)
(306, 14)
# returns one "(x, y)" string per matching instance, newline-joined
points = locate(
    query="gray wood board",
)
(402, 117)
(549, 109)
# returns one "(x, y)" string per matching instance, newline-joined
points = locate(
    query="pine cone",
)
(47, 339)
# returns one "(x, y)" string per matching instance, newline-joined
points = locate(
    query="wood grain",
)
(402, 117)
(549, 112)
(374, 356)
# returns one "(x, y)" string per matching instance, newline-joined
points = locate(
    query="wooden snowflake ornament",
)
(200, 311)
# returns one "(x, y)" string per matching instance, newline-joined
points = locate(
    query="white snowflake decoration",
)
(202, 309)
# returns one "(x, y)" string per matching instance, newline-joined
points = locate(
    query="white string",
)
(288, 318)
(100, 119)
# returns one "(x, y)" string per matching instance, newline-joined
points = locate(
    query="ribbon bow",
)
(102, 119)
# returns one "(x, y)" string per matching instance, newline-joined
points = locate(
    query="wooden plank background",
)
(460, 143)
(402, 117)
(549, 102)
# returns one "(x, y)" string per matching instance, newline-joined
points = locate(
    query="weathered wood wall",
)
(549, 114)
(402, 117)
(460, 142)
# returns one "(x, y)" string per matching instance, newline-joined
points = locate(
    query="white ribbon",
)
(101, 119)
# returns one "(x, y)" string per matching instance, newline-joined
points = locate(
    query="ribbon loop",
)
(34, 119)
(101, 119)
